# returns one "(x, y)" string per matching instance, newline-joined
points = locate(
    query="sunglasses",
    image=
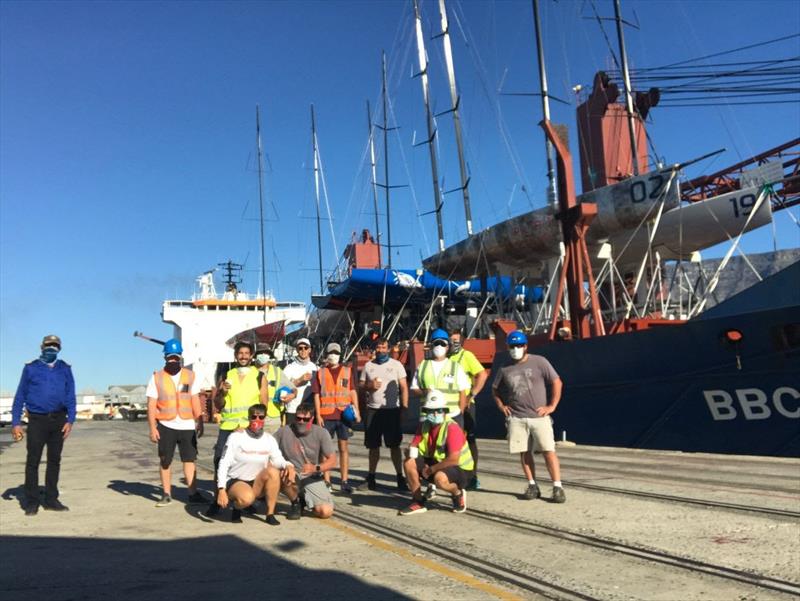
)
(434, 411)
(303, 419)
(516, 346)
(303, 348)
(440, 343)
(257, 418)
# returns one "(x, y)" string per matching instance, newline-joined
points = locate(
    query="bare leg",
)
(189, 474)
(397, 459)
(412, 476)
(166, 479)
(553, 466)
(268, 482)
(323, 512)
(526, 458)
(290, 490)
(441, 481)
(374, 457)
(241, 494)
(344, 459)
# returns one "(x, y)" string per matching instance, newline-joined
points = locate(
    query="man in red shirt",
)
(439, 453)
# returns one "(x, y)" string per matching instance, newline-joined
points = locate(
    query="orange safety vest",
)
(173, 403)
(334, 394)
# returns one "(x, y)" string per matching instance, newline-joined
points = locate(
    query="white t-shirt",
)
(178, 423)
(244, 456)
(294, 370)
(462, 379)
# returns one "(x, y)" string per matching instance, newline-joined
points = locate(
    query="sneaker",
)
(329, 486)
(460, 502)
(345, 486)
(371, 482)
(295, 512)
(415, 507)
(236, 516)
(532, 492)
(164, 501)
(32, 508)
(272, 521)
(474, 484)
(197, 499)
(55, 506)
(558, 495)
(430, 492)
(401, 483)
(213, 509)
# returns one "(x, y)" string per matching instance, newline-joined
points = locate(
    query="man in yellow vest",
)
(444, 375)
(477, 375)
(439, 453)
(173, 412)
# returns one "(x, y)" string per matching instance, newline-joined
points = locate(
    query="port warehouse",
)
(90, 404)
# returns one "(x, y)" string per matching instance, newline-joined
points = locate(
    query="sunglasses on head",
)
(257, 418)
(440, 343)
(303, 419)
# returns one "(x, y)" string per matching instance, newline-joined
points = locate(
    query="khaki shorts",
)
(530, 434)
(315, 492)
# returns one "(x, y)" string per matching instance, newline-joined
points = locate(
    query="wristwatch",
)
(317, 468)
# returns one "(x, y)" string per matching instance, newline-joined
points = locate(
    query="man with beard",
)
(310, 449)
(174, 413)
(252, 466)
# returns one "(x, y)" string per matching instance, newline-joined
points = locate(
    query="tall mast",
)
(261, 210)
(551, 176)
(316, 193)
(626, 79)
(386, 186)
(451, 75)
(374, 177)
(423, 73)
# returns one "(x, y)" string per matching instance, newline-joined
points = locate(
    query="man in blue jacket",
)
(47, 390)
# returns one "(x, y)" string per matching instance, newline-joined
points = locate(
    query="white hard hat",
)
(434, 400)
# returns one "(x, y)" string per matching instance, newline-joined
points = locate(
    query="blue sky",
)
(127, 137)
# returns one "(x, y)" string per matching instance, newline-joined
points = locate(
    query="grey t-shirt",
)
(388, 395)
(311, 448)
(521, 385)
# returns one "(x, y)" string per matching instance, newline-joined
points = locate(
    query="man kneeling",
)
(252, 467)
(310, 449)
(439, 453)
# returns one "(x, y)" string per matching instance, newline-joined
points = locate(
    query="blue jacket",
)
(44, 389)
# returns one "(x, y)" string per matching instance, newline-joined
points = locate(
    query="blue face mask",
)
(381, 358)
(49, 354)
(435, 418)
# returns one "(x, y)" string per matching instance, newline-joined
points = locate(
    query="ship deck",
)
(636, 525)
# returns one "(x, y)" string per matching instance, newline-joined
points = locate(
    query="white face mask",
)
(262, 359)
(516, 353)
(333, 359)
(439, 351)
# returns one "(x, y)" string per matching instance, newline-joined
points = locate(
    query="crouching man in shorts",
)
(439, 453)
(310, 449)
(251, 466)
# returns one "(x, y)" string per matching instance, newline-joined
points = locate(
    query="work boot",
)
(371, 485)
(401, 483)
(213, 509)
(272, 521)
(558, 495)
(532, 492)
(345, 486)
(415, 507)
(164, 501)
(295, 511)
(236, 516)
(55, 506)
(460, 502)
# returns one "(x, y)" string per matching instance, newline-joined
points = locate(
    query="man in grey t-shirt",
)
(310, 449)
(520, 391)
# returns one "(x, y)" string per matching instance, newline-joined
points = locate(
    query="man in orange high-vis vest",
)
(173, 412)
(333, 387)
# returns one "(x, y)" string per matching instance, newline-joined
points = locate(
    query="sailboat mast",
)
(423, 73)
(386, 185)
(626, 80)
(551, 175)
(451, 76)
(261, 210)
(374, 177)
(316, 193)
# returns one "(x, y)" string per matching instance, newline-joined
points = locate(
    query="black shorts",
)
(454, 473)
(469, 422)
(168, 438)
(233, 481)
(383, 423)
(337, 426)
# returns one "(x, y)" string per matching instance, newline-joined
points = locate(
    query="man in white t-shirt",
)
(174, 414)
(300, 371)
(446, 376)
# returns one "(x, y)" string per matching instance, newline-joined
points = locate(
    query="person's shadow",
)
(18, 493)
(139, 489)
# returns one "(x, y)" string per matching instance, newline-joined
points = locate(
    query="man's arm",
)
(555, 397)
(320, 420)
(219, 396)
(479, 381)
(71, 401)
(151, 419)
(354, 403)
(19, 399)
(403, 384)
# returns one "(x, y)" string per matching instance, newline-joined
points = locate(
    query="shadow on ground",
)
(193, 568)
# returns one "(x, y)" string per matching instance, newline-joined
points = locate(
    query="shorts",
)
(314, 492)
(530, 434)
(469, 422)
(168, 438)
(384, 423)
(454, 473)
(233, 481)
(336, 426)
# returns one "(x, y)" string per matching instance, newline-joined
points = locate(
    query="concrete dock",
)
(636, 525)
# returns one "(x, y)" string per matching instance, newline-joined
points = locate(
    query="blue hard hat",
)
(516, 337)
(348, 415)
(283, 389)
(173, 347)
(440, 334)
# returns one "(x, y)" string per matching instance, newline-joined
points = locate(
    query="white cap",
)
(305, 341)
(434, 400)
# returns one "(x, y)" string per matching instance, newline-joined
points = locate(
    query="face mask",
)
(243, 370)
(381, 358)
(301, 428)
(172, 367)
(49, 354)
(439, 351)
(516, 353)
(256, 428)
(333, 359)
(262, 359)
(455, 347)
(435, 418)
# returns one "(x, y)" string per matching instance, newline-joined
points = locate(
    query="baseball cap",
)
(333, 347)
(51, 340)
(305, 341)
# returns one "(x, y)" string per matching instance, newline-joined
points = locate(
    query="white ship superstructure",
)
(206, 323)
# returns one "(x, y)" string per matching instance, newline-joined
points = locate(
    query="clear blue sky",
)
(127, 136)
